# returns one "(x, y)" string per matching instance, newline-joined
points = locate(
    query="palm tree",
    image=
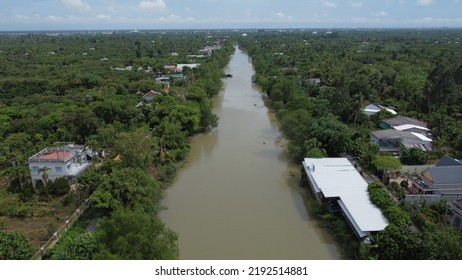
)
(44, 170)
(357, 106)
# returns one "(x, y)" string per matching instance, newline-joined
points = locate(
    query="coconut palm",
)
(44, 170)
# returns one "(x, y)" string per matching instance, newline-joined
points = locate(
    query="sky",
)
(21, 15)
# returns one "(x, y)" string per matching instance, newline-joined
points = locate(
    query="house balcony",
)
(77, 168)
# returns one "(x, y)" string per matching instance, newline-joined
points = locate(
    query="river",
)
(237, 195)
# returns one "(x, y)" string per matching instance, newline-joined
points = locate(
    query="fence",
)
(64, 227)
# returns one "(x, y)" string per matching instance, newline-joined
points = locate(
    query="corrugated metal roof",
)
(410, 126)
(401, 120)
(373, 108)
(392, 133)
(421, 137)
(337, 177)
(448, 161)
(447, 175)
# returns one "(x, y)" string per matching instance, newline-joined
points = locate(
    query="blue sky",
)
(210, 14)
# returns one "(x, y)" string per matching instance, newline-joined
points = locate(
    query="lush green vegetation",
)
(68, 88)
(14, 246)
(320, 82)
(415, 232)
(416, 71)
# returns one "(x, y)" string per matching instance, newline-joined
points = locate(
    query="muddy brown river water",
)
(238, 196)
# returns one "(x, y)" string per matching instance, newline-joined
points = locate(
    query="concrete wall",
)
(428, 199)
(52, 174)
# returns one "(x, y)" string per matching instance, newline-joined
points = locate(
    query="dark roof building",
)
(401, 120)
(448, 161)
(444, 178)
(389, 140)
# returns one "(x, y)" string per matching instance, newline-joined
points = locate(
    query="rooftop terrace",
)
(57, 154)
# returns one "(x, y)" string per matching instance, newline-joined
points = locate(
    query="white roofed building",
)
(414, 129)
(374, 108)
(336, 182)
(179, 67)
(389, 140)
(68, 160)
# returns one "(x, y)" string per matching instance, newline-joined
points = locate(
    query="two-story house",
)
(67, 161)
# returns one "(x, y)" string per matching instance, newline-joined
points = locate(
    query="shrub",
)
(59, 187)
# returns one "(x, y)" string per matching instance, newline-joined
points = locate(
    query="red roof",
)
(170, 67)
(55, 155)
(152, 93)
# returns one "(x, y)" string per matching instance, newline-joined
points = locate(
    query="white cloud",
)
(380, 14)
(424, 2)
(356, 5)
(153, 5)
(329, 4)
(171, 18)
(190, 19)
(103, 17)
(280, 15)
(441, 20)
(53, 18)
(22, 17)
(112, 9)
(358, 19)
(77, 5)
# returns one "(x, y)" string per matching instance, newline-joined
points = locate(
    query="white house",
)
(67, 161)
(163, 80)
(179, 67)
(336, 182)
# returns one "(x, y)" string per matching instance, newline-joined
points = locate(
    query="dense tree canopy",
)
(135, 235)
(73, 88)
(319, 84)
(415, 73)
(14, 246)
(88, 89)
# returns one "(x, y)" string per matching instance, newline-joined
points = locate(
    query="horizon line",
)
(140, 30)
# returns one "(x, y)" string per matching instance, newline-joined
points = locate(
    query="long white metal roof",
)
(337, 177)
(421, 137)
(410, 126)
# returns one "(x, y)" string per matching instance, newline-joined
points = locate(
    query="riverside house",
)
(337, 183)
(68, 160)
